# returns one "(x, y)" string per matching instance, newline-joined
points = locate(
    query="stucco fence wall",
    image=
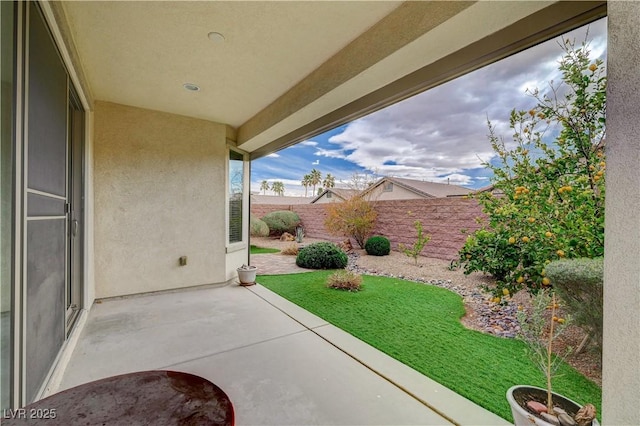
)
(443, 219)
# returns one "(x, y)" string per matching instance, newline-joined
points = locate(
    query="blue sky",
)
(439, 135)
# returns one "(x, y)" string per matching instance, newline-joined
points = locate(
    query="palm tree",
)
(329, 181)
(306, 181)
(264, 186)
(278, 188)
(316, 178)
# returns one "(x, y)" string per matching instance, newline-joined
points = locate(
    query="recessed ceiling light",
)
(191, 87)
(215, 37)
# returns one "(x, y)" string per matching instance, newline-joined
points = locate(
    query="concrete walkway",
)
(279, 364)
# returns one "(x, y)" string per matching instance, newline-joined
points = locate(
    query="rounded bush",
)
(377, 246)
(282, 221)
(258, 227)
(321, 256)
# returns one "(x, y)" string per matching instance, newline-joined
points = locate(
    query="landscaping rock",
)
(550, 419)
(566, 420)
(536, 407)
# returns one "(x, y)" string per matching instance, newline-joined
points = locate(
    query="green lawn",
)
(419, 325)
(263, 250)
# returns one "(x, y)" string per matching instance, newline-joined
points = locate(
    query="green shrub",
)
(377, 246)
(344, 280)
(415, 250)
(578, 282)
(321, 256)
(282, 221)
(258, 227)
(490, 252)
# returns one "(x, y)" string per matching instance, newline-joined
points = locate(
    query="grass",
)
(262, 250)
(419, 325)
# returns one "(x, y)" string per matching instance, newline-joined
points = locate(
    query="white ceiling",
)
(290, 69)
(140, 53)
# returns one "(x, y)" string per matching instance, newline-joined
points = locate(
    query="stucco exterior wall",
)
(621, 352)
(332, 199)
(159, 189)
(397, 193)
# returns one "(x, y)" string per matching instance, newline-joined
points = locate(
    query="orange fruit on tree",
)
(505, 291)
(532, 219)
(546, 281)
(593, 67)
(525, 239)
(560, 253)
(512, 240)
(548, 234)
(520, 279)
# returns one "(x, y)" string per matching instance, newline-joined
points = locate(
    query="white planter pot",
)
(522, 417)
(247, 275)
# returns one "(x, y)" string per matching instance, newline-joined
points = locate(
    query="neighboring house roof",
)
(279, 199)
(423, 188)
(340, 193)
(490, 188)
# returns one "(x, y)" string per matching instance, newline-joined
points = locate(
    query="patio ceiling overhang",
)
(287, 71)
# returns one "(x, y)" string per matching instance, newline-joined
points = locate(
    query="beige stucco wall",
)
(621, 353)
(159, 189)
(324, 199)
(398, 193)
(89, 290)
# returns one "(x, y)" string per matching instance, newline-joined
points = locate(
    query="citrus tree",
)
(548, 191)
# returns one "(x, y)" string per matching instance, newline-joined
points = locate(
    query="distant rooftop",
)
(279, 199)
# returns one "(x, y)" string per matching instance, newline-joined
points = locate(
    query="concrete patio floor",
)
(279, 364)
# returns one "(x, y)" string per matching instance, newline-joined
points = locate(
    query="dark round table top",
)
(141, 398)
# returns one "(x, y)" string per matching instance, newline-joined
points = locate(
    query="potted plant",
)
(247, 275)
(533, 405)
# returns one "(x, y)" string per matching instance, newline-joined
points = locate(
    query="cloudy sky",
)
(438, 135)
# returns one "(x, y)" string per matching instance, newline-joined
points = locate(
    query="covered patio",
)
(128, 129)
(278, 363)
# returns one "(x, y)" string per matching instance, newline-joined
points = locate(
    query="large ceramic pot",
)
(519, 395)
(247, 275)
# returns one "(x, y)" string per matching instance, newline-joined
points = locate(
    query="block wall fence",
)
(442, 218)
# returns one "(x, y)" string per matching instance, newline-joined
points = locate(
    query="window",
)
(236, 185)
(388, 187)
(328, 194)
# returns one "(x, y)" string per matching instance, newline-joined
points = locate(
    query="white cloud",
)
(443, 132)
(273, 155)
